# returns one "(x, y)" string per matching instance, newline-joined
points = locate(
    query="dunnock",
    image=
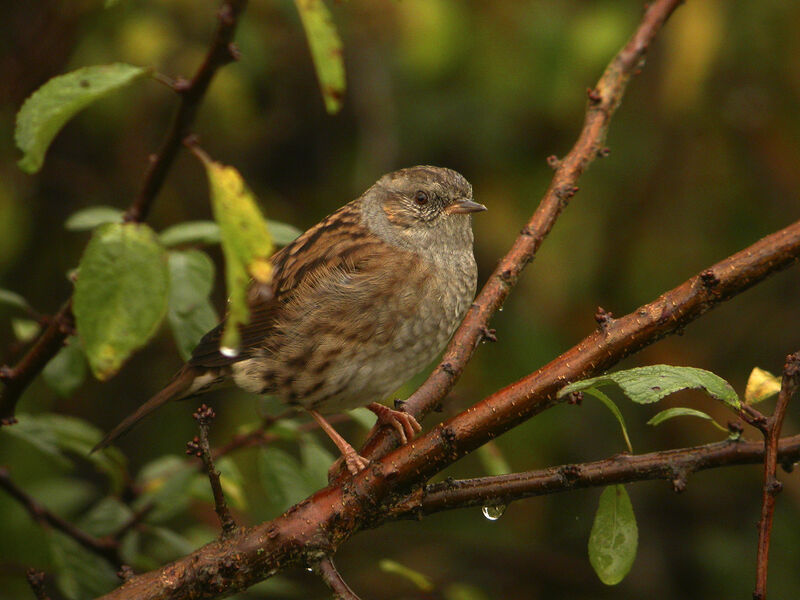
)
(361, 302)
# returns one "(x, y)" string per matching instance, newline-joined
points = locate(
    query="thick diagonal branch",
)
(319, 524)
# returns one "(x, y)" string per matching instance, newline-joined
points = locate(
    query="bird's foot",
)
(354, 461)
(405, 424)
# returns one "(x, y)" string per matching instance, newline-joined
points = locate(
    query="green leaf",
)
(761, 385)
(120, 295)
(230, 479)
(166, 483)
(326, 51)
(80, 574)
(46, 111)
(190, 232)
(13, 299)
(190, 313)
(106, 517)
(232, 482)
(246, 244)
(363, 416)
(493, 460)
(207, 232)
(66, 370)
(93, 216)
(316, 462)
(171, 545)
(56, 435)
(670, 413)
(609, 403)
(282, 478)
(25, 330)
(614, 537)
(645, 385)
(423, 582)
(282, 234)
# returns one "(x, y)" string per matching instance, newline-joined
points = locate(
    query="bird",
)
(359, 304)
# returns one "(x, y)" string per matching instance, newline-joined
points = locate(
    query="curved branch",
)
(333, 579)
(107, 547)
(51, 340)
(671, 465)
(602, 103)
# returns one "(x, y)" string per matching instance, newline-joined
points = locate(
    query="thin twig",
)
(772, 487)
(671, 465)
(18, 378)
(601, 105)
(199, 447)
(136, 518)
(36, 581)
(221, 51)
(333, 579)
(106, 547)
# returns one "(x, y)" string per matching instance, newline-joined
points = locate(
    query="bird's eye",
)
(421, 197)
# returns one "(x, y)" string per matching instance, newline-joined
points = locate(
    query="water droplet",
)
(228, 351)
(493, 512)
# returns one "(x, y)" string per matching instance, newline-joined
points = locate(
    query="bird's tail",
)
(175, 389)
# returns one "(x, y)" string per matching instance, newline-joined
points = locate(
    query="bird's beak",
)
(464, 206)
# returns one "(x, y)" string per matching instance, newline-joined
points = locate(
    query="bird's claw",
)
(406, 426)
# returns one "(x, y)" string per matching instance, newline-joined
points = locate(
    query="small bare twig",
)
(671, 465)
(772, 487)
(333, 579)
(106, 547)
(199, 447)
(36, 581)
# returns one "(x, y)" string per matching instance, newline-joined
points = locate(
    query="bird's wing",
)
(339, 243)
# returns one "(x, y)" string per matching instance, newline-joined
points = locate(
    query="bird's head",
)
(428, 206)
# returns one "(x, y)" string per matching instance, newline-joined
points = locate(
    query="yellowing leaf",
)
(246, 244)
(761, 385)
(326, 51)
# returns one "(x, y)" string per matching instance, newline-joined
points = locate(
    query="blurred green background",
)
(704, 161)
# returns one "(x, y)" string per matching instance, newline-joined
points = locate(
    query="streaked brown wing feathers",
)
(338, 242)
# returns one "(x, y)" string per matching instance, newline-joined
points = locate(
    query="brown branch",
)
(772, 487)
(602, 103)
(106, 547)
(321, 523)
(672, 465)
(18, 378)
(330, 575)
(199, 447)
(36, 581)
(220, 52)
